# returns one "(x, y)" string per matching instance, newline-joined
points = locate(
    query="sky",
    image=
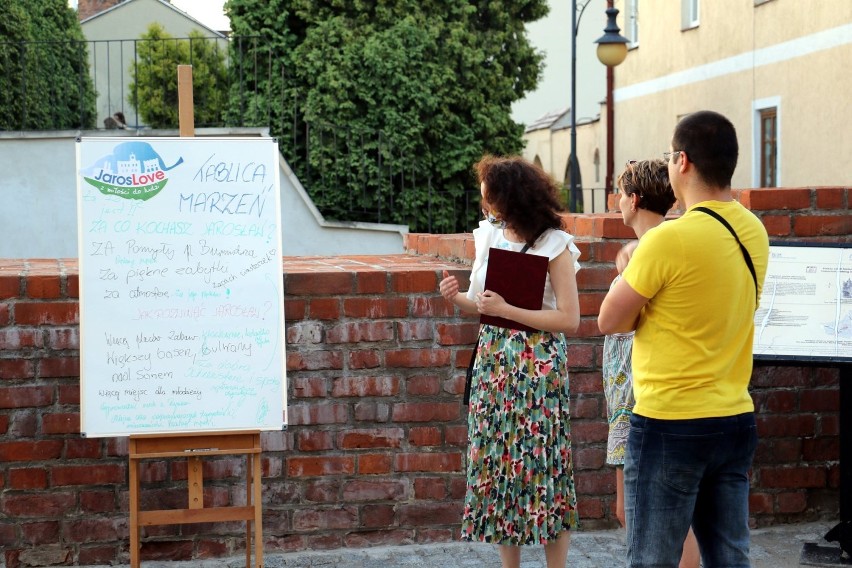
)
(208, 12)
(552, 36)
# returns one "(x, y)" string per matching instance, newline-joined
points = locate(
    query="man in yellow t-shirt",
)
(690, 291)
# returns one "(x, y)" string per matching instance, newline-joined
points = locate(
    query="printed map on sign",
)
(806, 304)
(181, 287)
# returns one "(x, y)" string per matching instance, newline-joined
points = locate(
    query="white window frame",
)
(689, 11)
(756, 107)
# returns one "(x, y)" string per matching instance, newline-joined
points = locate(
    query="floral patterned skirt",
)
(520, 481)
(618, 390)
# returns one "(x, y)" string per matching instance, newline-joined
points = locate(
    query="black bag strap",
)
(746, 256)
(537, 237)
(468, 377)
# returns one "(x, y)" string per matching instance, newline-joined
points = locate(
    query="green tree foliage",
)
(153, 85)
(44, 72)
(394, 100)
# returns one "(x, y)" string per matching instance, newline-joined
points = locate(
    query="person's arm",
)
(564, 319)
(620, 309)
(449, 287)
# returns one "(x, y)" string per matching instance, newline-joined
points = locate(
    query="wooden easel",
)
(197, 445)
(193, 447)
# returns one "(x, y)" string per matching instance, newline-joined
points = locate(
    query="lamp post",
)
(612, 49)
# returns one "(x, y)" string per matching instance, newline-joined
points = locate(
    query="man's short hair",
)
(710, 141)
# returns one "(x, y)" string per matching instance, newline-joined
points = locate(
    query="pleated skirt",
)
(520, 481)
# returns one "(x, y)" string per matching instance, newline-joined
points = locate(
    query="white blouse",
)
(551, 244)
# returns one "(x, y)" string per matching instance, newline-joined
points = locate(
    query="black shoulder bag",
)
(469, 376)
(746, 256)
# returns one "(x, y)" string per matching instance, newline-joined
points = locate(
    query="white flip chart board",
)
(181, 286)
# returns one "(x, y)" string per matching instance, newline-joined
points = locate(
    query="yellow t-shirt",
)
(692, 352)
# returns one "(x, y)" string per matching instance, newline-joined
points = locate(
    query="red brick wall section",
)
(374, 452)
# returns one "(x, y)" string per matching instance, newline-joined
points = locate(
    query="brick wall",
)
(374, 453)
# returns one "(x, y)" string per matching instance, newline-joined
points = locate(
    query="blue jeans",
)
(682, 472)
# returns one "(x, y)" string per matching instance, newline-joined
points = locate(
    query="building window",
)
(631, 22)
(689, 14)
(768, 147)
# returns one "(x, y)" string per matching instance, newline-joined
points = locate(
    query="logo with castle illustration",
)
(134, 170)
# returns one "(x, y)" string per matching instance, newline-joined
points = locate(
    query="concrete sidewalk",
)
(774, 547)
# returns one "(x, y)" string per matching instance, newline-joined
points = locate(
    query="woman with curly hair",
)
(520, 483)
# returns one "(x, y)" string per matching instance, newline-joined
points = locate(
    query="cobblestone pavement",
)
(774, 547)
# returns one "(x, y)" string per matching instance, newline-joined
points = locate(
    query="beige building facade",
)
(548, 144)
(776, 68)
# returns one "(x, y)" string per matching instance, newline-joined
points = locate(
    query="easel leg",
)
(249, 469)
(258, 511)
(134, 513)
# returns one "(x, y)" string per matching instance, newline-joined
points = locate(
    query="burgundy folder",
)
(519, 278)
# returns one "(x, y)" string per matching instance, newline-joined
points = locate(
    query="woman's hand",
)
(490, 303)
(449, 287)
(623, 257)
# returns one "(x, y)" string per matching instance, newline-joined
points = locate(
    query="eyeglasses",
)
(668, 155)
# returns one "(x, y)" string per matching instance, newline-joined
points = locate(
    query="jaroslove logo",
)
(133, 171)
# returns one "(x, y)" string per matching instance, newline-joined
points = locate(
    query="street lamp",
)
(612, 49)
(612, 46)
